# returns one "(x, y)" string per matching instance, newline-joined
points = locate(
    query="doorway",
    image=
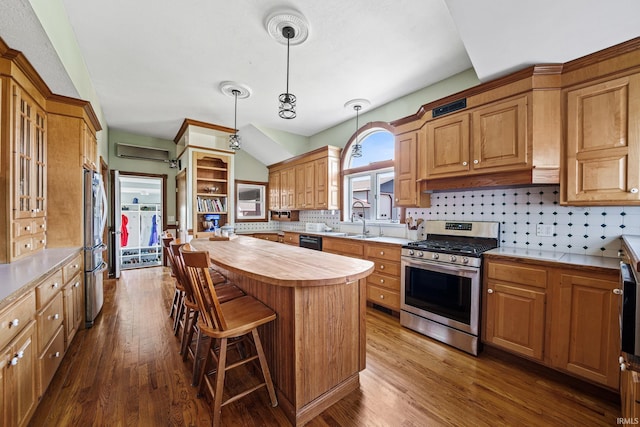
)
(139, 220)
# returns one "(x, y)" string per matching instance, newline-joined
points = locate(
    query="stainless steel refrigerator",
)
(95, 218)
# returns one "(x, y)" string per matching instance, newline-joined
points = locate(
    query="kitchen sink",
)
(360, 236)
(334, 233)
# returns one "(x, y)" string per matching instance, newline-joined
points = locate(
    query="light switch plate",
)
(545, 230)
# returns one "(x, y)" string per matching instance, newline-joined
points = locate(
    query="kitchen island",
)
(317, 345)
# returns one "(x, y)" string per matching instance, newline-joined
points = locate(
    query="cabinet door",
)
(588, 329)
(630, 394)
(21, 391)
(516, 318)
(309, 185)
(274, 191)
(321, 170)
(603, 142)
(300, 187)
(500, 136)
(447, 146)
(30, 157)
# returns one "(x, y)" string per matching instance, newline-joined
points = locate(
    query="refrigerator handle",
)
(105, 210)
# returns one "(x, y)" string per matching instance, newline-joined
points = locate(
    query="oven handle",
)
(439, 267)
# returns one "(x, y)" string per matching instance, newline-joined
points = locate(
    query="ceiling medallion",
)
(277, 21)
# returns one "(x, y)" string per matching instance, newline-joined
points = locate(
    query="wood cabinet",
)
(341, 246)
(585, 332)
(602, 152)
(309, 181)
(291, 238)
(18, 370)
(515, 308)
(23, 166)
(406, 187)
(630, 394)
(272, 237)
(563, 316)
(383, 285)
(211, 186)
(89, 148)
(70, 123)
(487, 139)
(73, 299)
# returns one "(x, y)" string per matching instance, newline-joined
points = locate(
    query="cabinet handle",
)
(54, 317)
(381, 252)
(55, 285)
(14, 361)
(396, 199)
(56, 354)
(476, 161)
(27, 245)
(14, 322)
(381, 280)
(20, 354)
(464, 163)
(75, 285)
(634, 190)
(381, 296)
(42, 241)
(489, 291)
(74, 266)
(617, 291)
(27, 228)
(382, 267)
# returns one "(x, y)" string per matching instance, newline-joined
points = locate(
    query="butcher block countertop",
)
(283, 265)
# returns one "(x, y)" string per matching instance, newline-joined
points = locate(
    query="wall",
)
(248, 168)
(145, 167)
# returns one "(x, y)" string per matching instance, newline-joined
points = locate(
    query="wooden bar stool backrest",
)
(181, 273)
(197, 267)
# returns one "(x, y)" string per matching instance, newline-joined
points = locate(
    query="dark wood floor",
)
(126, 371)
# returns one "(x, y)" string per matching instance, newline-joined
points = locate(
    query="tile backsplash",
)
(591, 230)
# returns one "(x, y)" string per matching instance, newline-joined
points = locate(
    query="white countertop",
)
(560, 257)
(15, 277)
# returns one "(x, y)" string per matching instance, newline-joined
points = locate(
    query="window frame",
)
(372, 169)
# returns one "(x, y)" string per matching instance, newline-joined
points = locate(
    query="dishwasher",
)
(311, 242)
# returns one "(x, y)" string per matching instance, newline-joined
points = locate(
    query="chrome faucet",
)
(361, 217)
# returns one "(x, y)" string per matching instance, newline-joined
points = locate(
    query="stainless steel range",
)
(441, 278)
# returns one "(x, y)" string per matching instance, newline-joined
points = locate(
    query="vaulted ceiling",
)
(154, 62)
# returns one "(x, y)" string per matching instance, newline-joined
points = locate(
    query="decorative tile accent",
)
(582, 230)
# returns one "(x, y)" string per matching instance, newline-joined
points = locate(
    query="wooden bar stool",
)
(226, 292)
(227, 323)
(167, 238)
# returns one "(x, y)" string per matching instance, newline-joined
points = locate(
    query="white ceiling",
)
(155, 62)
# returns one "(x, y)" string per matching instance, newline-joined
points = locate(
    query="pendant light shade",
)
(287, 109)
(236, 90)
(234, 140)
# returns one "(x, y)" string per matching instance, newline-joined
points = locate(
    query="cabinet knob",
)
(464, 163)
(27, 245)
(634, 190)
(381, 280)
(617, 291)
(27, 228)
(55, 285)
(14, 361)
(396, 199)
(476, 161)
(14, 322)
(74, 266)
(381, 266)
(381, 296)
(489, 291)
(75, 285)
(20, 354)
(56, 354)
(381, 252)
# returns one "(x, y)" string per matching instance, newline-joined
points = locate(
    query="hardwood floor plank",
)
(126, 371)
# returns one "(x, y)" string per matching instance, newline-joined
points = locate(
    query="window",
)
(369, 180)
(250, 203)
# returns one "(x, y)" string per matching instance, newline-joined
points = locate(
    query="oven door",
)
(445, 293)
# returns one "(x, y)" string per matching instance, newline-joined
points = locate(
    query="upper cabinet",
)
(23, 159)
(504, 132)
(306, 182)
(406, 186)
(602, 151)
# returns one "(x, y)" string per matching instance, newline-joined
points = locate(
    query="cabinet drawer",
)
(38, 241)
(343, 247)
(387, 267)
(39, 225)
(15, 317)
(71, 268)
(49, 320)
(48, 288)
(385, 281)
(384, 252)
(23, 227)
(50, 359)
(22, 246)
(511, 273)
(385, 297)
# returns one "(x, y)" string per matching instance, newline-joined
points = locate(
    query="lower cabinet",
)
(630, 394)
(563, 317)
(273, 237)
(18, 378)
(291, 238)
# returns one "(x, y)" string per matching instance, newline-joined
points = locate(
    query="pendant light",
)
(357, 105)
(287, 100)
(234, 140)
(238, 91)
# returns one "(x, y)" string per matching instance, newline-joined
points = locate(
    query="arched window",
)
(369, 179)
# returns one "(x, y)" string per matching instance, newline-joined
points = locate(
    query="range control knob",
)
(465, 260)
(435, 256)
(420, 254)
(411, 252)
(453, 258)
